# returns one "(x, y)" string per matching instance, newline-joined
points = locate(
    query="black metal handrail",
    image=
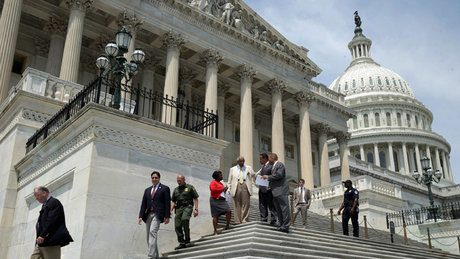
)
(425, 214)
(134, 100)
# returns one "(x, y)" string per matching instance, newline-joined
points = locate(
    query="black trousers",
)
(346, 215)
(265, 205)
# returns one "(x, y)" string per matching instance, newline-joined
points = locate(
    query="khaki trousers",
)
(241, 203)
(302, 208)
(46, 252)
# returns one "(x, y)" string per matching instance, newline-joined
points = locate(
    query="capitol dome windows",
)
(398, 119)
(346, 86)
(377, 119)
(355, 122)
(370, 157)
(416, 122)
(387, 81)
(366, 120)
(362, 82)
(370, 81)
(408, 120)
(379, 81)
(383, 161)
(388, 119)
(353, 84)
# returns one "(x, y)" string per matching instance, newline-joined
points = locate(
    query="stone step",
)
(313, 236)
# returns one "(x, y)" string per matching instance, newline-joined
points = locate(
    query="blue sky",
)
(418, 39)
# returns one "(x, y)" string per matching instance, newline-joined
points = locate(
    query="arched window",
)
(423, 123)
(415, 159)
(408, 120)
(377, 119)
(387, 81)
(338, 90)
(394, 83)
(362, 82)
(416, 121)
(398, 118)
(353, 84)
(395, 158)
(388, 115)
(346, 86)
(355, 122)
(379, 81)
(383, 161)
(366, 121)
(370, 158)
(370, 81)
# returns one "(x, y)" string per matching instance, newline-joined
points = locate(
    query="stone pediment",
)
(233, 16)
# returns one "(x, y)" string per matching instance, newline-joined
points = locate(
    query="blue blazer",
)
(161, 203)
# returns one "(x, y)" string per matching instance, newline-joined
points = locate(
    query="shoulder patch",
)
(186, 189)
(356, 192)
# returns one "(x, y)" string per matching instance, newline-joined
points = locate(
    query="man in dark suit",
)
(52, 232)
(280, 191)
(155, 205)
(265, 193)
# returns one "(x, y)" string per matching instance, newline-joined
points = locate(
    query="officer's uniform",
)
(348, 198)
(183, 197)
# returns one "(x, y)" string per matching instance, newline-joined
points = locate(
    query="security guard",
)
(350, 208)
(182, 199)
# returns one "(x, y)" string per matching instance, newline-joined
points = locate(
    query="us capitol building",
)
(252, 87)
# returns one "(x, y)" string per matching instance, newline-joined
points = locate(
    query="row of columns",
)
(411, 162)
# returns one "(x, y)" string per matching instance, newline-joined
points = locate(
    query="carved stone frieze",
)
(130, 20)
(304, 98)
(172, 40)
(79, 4)
(35, 116)
(246, 72)
(276, 86)
(211, 57)
(56, 25)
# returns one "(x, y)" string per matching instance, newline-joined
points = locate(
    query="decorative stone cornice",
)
(131, 21)
(276, 86)
(304, 98)
(42, 47)
(211, 57)
(342, 137)
(56, 25)
(322, 128)
(82, 5)
(246, 72)
(172, 40)
(222, 88)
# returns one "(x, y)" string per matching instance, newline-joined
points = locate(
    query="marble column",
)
(361, 152)
(57, 27)
(172, 41)
(9, 26)
(72, 47)
(212, 59)
(391, 157)
(405, 160)
(376, 154)
(342, 139)
(437, 161)
(222, 89)
(444, 165)
(276, 87)
(417, 158)
(450, 177)
(305, 155)
(428, 155)
(246, 74)
(323, 130)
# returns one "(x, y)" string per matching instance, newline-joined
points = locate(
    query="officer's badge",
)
(186, 189)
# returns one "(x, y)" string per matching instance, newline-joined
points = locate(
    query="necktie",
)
(301, 194)
(241, 176)
(262, 170)
(153, 194)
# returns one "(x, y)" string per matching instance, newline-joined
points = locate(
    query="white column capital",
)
(56, 25)
(81, 5)
(342, 137)
(211, 57)
(304, 98)
(131, 21)
(322, 129)
(172, 40)
(246, 73)
(276, 86)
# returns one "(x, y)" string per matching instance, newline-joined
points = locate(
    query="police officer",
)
(183, 198)
(350, 208)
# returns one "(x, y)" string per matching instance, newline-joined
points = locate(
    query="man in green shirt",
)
(183, 198)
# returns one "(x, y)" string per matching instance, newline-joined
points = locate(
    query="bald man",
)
(183, 198)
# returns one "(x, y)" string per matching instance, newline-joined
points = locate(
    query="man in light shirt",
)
(240, 186)
(301, 203)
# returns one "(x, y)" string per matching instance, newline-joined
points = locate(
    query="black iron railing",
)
(425, 214)
(134, 100)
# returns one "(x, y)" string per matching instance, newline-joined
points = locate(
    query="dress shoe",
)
(273, 222)
(180, 247)
(285, 230)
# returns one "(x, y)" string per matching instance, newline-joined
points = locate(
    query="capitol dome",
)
(391, 128)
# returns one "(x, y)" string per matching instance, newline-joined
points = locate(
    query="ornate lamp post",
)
(428, 176)
(116, 64)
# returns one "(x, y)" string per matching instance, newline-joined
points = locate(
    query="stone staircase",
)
(257, 239)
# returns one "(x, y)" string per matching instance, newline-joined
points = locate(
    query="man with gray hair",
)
(52, 232)
(240, 186)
